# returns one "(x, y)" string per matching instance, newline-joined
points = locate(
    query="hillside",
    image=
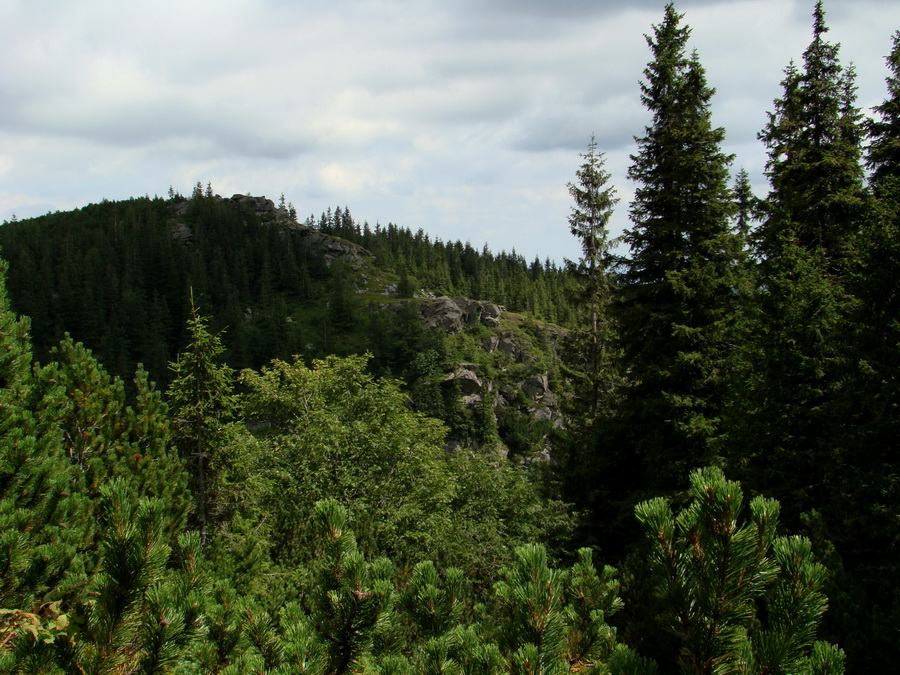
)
(118, 276)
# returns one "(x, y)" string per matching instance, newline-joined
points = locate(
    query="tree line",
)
(759, 335)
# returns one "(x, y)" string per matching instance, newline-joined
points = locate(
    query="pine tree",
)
(202, 405)
(44, 522)
(738, 597)
(102, 436)
(555, 620)
(353, 597)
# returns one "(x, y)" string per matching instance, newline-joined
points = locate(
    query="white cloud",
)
(461, 117)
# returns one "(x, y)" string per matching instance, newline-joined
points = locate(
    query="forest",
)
(235, 442)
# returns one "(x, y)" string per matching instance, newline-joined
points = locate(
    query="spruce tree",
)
(589, 223)
(883, 131)
(859, 514)
(202, 405)
(676, 295)
(813, 138)
(790, 396)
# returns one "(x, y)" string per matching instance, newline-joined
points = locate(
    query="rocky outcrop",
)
(337, 249)
(183, 233)
(454, 315)
(261, 205)
(508, 343)
(469, 383)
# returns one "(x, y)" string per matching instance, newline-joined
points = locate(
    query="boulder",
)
(490, 314)
(535, 387)
(490, 344)
(469, 384)
(508, 347)
(445, 314)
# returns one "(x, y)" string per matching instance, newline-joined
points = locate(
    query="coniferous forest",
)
(232, 441)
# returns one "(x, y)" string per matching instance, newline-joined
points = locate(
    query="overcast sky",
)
(462, 117)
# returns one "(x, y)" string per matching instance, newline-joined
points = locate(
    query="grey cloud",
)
(561, 127)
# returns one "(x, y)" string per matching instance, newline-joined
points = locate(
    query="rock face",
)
(337, 249)
(467, 377)
(183, 233)
(518, 388)
(454, 315)
(262, 205)
(333, 248)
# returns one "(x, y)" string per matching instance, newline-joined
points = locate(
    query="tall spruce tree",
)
(790, 396)
(589, 223)
(861, 515)
(883, 131)
(813, 138)
(202, 405)
(676, 296)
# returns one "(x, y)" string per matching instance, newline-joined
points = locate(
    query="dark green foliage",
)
(677, 289)
(116, 275)
(589, 223)
(762, 336)
(676, 296)
(800, 402)
(883, 131)
(202, 406)
(813, 139)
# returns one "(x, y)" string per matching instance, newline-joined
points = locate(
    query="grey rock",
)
(182, 232)
(468, 381)
(490, 344)
(535, 387)
(445, 314)
(490, 314)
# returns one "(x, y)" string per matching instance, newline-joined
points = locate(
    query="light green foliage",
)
(143, 616)
(434, 605)
(333, 431)
(738, 597)
(137, 614)
(550, 620)
(592, 598)
(103, 436)
(532, 627)
(43, 523)
(354, 598)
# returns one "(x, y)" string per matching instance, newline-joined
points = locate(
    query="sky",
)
(465, 118)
